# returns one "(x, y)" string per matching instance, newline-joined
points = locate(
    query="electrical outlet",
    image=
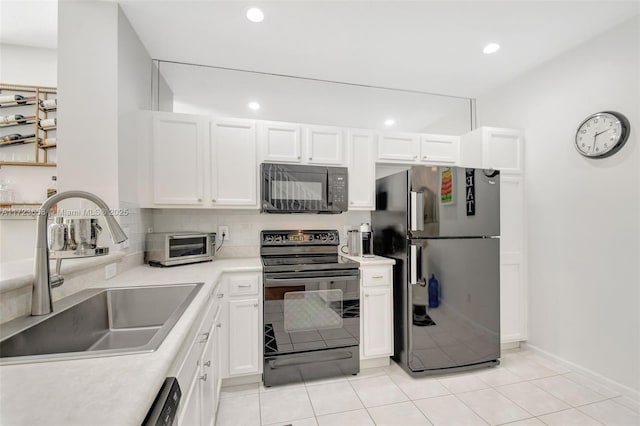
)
(110, 271)
(223, 233)
(125, 243)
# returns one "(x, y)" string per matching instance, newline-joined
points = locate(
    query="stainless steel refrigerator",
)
(442, 224)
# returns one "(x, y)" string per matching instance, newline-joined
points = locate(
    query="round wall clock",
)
(602, 134)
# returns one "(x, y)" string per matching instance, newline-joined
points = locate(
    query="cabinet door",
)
(377, 339)
(234, 164)
(281, 142)
(503, 149)
(178, 159)
(362, 170)
(190, 405)
(439, 149)
(513, 291)
(245, 337)
(324, 145)
(217, 360)
(398, 147)
(207, 382)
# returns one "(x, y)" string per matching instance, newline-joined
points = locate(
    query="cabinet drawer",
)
(189, 366)
(243, 285)
(376, 275)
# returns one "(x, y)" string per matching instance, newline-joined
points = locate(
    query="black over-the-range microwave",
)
(292, 188)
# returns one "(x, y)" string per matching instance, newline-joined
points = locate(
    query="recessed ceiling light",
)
(389, 122)
(255, 15)
(491, 48)
(254, 106)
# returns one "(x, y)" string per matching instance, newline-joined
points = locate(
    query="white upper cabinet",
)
(493, 148)
(398, 147)
(439, 149)
(281, 142)
(361, 147)
(178, 154)
(234, 163)
(324, 145)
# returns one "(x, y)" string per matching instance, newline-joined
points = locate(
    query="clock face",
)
(602, 134)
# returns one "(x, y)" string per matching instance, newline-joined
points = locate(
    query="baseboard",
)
(509, 345)
(375, 362)
(618, 387)
(242, 380)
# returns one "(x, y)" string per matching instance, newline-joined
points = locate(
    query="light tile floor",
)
(525, 390)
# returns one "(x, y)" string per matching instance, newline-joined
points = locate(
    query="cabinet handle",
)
(205, 337)
(298, 157)
(204, 377)
(415, 156)
(199, 200)
(207, 364)
(219, 325)
(366, 295)
(244, 285)
(424, 157)
(377, 277)
(213, 200)
(220, 295)
(255, 305)
(310, 158)
(351, 202)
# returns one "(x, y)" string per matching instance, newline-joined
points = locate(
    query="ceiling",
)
(419, 45)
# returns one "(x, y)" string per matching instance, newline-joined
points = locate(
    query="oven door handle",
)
(278, 282)
(309, 359)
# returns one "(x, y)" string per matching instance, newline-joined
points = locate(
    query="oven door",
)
(188, 246)
(309, 311)
(294, 189)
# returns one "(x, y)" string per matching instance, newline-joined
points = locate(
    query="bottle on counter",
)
(52, 190)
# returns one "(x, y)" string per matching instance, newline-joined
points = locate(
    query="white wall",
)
(583, 214)
(105, 77)
(88, 101)
(30, 66)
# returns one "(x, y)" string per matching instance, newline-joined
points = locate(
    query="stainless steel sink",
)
(98, 322)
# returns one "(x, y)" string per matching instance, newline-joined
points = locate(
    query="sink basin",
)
(98, 322)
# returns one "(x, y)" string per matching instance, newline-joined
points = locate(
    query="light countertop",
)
(116, 390)
(375, 260)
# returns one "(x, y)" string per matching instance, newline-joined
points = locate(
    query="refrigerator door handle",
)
(416, 277)
(416, 217)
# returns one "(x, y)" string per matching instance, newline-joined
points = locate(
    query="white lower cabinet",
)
(199, 394)
(242, 310)
(376, 315)
(244, 337)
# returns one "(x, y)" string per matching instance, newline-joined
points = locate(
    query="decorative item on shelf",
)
(11, 99)
(7, 193)
(48, 104)
(52, 190)
(12, 119)
(48, 123)
(602, 134)
(16, 138)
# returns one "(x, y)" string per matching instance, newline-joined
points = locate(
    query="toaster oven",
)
(179, 248)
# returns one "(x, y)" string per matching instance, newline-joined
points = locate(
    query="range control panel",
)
(299, 237)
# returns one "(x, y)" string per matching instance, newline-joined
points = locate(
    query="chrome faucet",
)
(41, 302)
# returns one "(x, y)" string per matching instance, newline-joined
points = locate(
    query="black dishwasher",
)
(165, 407)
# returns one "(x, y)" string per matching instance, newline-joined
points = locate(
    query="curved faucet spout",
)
(41, 302)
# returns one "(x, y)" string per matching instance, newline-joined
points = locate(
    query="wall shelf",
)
(26, 163)
(33, 97)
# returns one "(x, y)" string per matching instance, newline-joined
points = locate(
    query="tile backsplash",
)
(245, 226)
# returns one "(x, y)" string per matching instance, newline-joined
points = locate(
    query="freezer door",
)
(453, 202)
(457, 324)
